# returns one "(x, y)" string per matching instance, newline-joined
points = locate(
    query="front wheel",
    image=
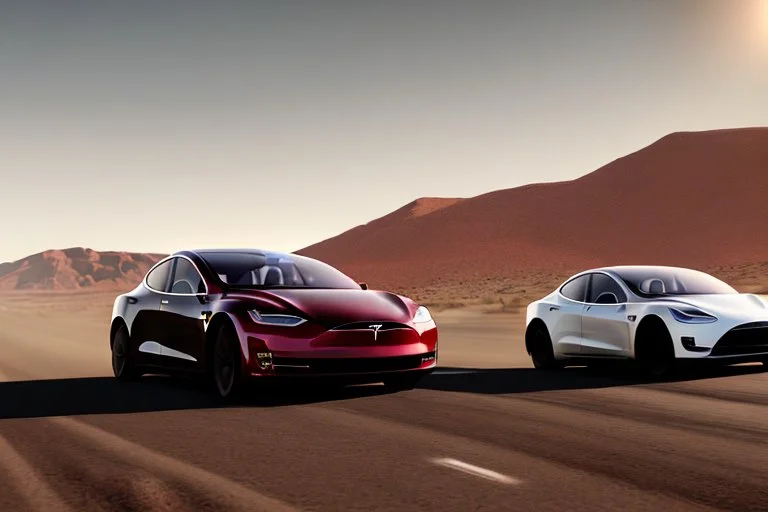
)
(122, 365)
(540, 348)
(227, 363)
(656, 352)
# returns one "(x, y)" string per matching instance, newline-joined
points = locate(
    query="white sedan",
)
(655, 315)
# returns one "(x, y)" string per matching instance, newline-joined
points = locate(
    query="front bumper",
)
(743, 341)
(344, 366)
(342, 352)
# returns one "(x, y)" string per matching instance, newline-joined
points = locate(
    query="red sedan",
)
(240, 314)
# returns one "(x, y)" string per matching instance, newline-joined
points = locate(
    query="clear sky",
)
(157, 125)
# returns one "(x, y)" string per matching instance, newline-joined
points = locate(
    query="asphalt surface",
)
(467, 439)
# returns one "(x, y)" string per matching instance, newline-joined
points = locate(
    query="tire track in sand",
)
(27, 482)
(235, 496)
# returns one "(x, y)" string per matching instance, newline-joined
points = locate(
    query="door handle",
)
(554, 308)
(164, 301)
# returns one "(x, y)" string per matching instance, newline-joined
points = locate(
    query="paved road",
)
(508, 439)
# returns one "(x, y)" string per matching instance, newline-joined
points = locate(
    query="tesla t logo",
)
(375, 328)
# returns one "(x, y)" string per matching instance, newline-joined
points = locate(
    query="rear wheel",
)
(540, 348)
(122, 365)
(655, 352)
(227, 363)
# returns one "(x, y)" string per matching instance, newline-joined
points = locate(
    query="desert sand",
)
(48, 335)
(55, 335)
(65, 335)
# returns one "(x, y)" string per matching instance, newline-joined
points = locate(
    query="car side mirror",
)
(363, 286)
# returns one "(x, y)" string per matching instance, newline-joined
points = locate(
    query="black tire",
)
(227, 364)
(655, 352)
(122, 363)
(540, 348)
(403, 382)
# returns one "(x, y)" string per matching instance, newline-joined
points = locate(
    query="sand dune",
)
(691, 199)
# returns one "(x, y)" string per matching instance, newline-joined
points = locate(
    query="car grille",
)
(285, 365)
(366, 326)
(745, 339)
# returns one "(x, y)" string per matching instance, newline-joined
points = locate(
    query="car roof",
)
(647, 268)
(202, 253)
(230, 250)
(616, 270)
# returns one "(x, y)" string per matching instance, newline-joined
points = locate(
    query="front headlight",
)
(422, 316)
(277, 320)
(690, 315)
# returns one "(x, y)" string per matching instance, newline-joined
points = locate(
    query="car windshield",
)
(272, 270)
(663, 281)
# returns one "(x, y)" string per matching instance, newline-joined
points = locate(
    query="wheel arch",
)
(218, 321)
(535, 322)
(649, 324)
(117, 322)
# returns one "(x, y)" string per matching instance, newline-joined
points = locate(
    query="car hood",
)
(337, 307)
(743, 306)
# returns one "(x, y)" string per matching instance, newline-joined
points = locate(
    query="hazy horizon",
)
(149, 128)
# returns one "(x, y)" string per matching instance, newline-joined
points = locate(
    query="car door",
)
(604, 325)
(565, 317)
(146, 327)
(183, 312)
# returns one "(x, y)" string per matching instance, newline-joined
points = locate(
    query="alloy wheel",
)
(224, 365)
(119, 355)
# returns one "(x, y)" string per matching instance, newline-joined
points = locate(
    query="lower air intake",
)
(349, 365)
(747, 339)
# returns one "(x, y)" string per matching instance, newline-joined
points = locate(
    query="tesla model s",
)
(240, 315)
(655, 315)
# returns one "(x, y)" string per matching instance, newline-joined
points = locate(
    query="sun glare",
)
(762, 24)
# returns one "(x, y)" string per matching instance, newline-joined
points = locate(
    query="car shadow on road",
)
(106, 395)
(529, 380)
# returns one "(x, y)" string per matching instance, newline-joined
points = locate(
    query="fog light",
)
(689, 343)
(264, 359)
(258, 350)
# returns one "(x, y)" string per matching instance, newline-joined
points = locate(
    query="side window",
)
(575, 289)
(186, 279)
(605, 290)
(157, 279)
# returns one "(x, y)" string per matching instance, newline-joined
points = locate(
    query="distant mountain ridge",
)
(76, 268)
